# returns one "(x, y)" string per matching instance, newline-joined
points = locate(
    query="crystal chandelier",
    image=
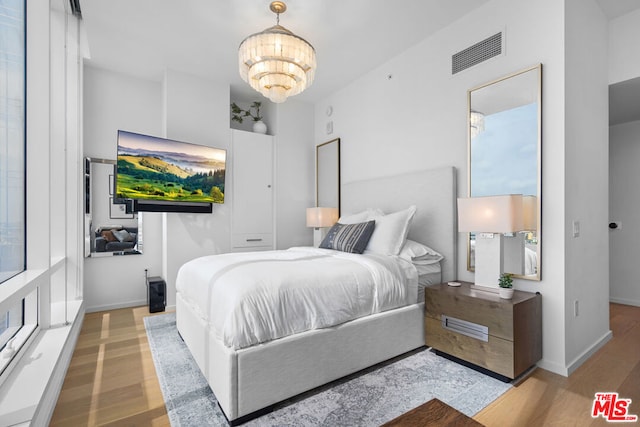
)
(476, 120)
(276, 62)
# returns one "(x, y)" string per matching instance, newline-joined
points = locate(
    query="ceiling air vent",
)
(479, 52)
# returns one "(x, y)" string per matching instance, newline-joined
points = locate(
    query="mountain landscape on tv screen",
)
(169, 176)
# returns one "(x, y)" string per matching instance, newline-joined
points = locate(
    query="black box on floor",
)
(156, 294)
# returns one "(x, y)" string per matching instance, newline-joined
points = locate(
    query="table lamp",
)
(321, 218)
(490, 218)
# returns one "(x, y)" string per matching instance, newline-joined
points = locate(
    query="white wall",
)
(586, 180)
(295, 173)
(624, 61)
(416, 119)
(195, 111)
(624, 153)
(115, 101)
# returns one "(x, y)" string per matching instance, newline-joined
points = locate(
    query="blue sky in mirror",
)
(504, 155)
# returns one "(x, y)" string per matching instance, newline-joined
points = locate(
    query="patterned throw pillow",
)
(352, 238)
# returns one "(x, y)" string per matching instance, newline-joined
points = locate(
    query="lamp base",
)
(319, 235)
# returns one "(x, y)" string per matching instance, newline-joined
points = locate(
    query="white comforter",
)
(249, 298)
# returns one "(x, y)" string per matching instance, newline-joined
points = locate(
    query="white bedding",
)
(249, 298)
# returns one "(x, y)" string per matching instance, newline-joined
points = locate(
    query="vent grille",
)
(479, 52)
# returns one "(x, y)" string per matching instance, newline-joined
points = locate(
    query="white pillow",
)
(391, 232)
(419, 253)
(359, 217)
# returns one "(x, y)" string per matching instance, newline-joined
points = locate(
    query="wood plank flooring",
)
(549, 399)
(112, 381)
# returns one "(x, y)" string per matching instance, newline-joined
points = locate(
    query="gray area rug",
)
(368, 398)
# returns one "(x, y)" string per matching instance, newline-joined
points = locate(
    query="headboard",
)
(432, 191)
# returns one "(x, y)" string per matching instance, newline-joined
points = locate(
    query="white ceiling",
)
(144, 37)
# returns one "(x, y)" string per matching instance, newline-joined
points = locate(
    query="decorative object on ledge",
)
(506, 286)
(276, 62)
(238, 115)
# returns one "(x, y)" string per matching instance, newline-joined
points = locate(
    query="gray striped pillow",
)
(352, 238)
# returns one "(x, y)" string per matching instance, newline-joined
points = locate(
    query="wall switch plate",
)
(576, 308)
(576, 228)
(329, 128)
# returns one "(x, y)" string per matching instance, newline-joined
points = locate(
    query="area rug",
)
(368, 398)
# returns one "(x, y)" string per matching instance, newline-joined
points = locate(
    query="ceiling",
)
(142, 38)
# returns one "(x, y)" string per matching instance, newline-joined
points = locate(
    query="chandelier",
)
(276, 62)
(476, 120)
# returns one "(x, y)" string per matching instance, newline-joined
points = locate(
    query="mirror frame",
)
(538, 69)
(328, 173)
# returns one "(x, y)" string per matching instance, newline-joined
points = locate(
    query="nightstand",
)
(498, 335)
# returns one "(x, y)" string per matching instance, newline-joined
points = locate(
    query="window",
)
(12, 156)
(12, 138)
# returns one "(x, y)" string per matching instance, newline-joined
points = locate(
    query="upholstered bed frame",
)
(249, 381)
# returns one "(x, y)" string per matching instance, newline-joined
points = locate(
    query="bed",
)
(249, 378)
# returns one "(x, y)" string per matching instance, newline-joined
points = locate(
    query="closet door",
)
(253, 199)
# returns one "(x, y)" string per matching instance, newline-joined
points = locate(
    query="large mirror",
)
(504, 148)
(110, 227)
(328, 174)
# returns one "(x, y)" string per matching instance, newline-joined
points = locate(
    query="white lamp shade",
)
(530, 213)
(321, 217)
(494, 214)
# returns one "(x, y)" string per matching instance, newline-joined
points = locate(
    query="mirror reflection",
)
(504, 158)
(110, 227)
(328, 174)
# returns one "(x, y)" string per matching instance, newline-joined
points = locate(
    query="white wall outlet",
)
(576, 228)
(576, 308)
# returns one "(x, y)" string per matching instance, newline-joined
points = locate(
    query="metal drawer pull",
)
(463, 327)
(254, 240)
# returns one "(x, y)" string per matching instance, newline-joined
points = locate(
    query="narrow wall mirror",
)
(328, 174)
(504, 149)
(109, 228)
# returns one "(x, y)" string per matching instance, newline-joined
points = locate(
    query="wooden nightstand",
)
(502, 336)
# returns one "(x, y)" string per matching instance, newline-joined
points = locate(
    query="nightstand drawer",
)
(487, 310)
(495, 354)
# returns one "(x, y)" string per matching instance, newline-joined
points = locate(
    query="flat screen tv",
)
(162, 174)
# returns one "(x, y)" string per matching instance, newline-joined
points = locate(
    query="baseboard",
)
(116, 306)
(624, 301)
(575, 364)
(556, 368)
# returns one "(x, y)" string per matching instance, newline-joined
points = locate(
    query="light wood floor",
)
(112, 379)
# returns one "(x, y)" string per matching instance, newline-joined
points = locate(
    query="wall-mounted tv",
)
(163, 174)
